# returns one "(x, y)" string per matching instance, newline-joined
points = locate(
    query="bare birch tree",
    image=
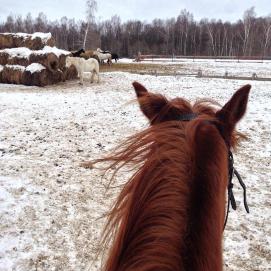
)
(249, 14)
(91, 8)
(267, 34)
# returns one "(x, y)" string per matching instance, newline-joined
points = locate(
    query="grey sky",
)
(136, 9)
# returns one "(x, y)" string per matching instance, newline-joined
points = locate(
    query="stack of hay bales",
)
(34, 41)
(36, 63)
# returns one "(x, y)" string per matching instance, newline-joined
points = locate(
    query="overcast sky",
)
(230, 10)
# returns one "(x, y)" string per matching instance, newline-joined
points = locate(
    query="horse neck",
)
(208, 190)
(165, 216)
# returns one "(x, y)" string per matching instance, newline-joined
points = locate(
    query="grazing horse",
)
(82, 65)
(115, 56)
(169, 216)
(103, 57)
(78, 53)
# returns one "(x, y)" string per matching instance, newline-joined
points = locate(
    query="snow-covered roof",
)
(35, 67)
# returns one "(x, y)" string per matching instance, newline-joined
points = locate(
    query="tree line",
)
(249, 36)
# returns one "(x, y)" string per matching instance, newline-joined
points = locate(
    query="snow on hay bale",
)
(39, 67)
(37, 75)
(49, 60)
(35, 41)
(13, 56)
(61, 54)
(24, 56)
(50, 57)
(33, 75)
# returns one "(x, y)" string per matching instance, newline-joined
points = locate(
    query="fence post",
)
(199, 73)
(254, 76)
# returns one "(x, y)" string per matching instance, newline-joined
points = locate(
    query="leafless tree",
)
(249, 36)
(91, 8)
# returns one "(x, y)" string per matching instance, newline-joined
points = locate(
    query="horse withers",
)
(170, 213)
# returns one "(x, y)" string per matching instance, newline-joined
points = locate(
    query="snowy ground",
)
(50, 208)
(215, 66)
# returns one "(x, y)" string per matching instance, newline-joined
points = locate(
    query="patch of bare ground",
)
(141, 68)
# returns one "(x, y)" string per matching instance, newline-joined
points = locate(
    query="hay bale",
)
(6, 41)
(62, 61)
(35, 75)
(70, 73)
(18, 61)
(3, 57)
(15, 56)
(39, 79)
(1, 71)
(12, 74)
(35, 41)
(48, 60)
(51, 57)
(55, 76)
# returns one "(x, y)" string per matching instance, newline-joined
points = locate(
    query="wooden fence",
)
(176, 58)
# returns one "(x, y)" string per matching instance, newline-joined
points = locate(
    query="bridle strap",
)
(187, 116)
(231, 199)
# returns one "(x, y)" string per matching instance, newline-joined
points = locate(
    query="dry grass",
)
(141, 68)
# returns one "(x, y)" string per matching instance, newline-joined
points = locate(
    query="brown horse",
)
(170, 214)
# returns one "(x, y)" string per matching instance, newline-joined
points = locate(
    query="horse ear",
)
(235, 108)
(150, 104)
(139, 89)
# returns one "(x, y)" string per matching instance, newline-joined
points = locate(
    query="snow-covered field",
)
(218, 67)
(51, 209)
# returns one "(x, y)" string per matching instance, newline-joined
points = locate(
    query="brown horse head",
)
(158, 109)
(170, 213)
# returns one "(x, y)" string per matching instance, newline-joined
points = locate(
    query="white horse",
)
(102, 57)
(82, 65)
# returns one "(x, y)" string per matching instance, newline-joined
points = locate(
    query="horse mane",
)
(150, 225)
